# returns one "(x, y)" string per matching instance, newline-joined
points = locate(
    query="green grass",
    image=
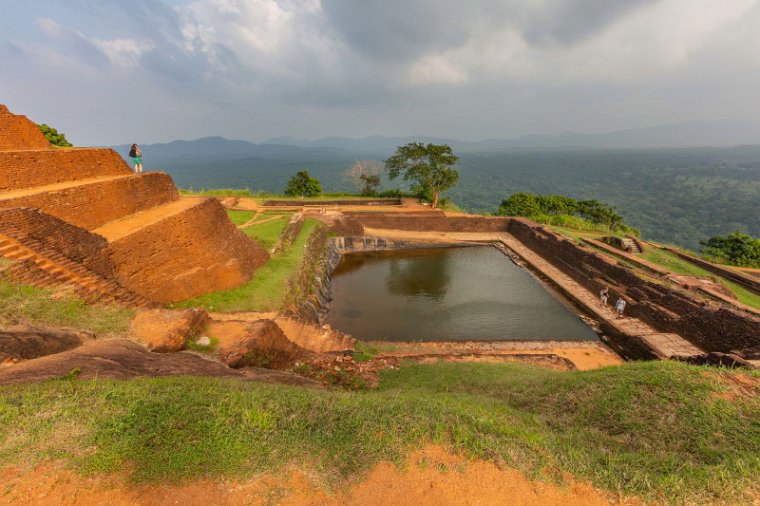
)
(678, 265)
(267, 234)
(24, 303)
(654, 429)
(266, 291)
(260, 197)
(239, 217)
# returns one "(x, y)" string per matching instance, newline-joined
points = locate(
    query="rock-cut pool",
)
(447, 294)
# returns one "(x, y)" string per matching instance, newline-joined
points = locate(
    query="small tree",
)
(54, 137)
(735, 248)
(520, 204)
(303, 185)
(428, 166)
(365, 176)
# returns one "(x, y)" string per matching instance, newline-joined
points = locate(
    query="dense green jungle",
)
(676, 196)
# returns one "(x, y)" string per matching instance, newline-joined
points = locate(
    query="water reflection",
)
(424, 274)
(446, 294)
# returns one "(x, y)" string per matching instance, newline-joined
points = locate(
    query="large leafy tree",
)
(303, 185)
(428, 166)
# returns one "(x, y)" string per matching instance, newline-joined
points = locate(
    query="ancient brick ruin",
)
(79, 218)
(711, 325)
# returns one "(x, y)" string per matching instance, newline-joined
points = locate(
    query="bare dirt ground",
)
(431, 477)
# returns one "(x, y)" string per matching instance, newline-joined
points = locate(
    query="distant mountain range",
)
(680, 135)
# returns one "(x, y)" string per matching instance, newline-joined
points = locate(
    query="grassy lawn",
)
(239, 217)
(267, 234)
(261, 197)
(661, 430)
(265, 292)
(29, 304)
(675, 264)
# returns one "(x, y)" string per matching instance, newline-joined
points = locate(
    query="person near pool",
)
(136, 155)
(619, 307)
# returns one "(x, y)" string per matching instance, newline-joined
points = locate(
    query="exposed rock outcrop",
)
(24, 342)
(124, 359)
(166, 331)
(260, 344)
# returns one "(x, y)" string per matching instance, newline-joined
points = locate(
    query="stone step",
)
(92, 202)
(42, 167)
(122, 227)
(180, 250)
(40, 271)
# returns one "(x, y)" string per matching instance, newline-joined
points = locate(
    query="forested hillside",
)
(679, 196)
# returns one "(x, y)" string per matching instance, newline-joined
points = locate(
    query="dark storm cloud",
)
(570, 22)
(407, 29)
(484, 68)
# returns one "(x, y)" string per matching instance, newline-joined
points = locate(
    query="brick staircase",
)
(155, 245)
(55, 270)
(630, 245)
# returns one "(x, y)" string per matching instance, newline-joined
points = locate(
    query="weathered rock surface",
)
(166, 331)
(24, 342)
(260, 343)
(124, 359)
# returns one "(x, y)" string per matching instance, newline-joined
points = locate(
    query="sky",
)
(122, 71)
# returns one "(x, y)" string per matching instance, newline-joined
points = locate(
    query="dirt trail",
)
(431, 477)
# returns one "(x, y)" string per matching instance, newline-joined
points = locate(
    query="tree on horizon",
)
(303, 185)
(427, 166)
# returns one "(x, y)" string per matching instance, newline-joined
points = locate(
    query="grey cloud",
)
(406, 29)
(399, 29)
(73, 44)
(570, 22)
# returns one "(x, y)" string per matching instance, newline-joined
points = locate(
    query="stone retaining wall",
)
(431, 221)
(748, 283)
(332, 202)
(92, 205)
(27, 169)
(192, 253)
(18, 132)
(51, 237)
(713, 328)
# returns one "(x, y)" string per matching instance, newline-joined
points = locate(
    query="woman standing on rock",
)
(136, 155)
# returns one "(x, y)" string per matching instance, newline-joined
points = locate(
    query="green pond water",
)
(447, 294)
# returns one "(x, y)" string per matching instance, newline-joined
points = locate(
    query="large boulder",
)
(166, 331)
(24, 342)
(260, 343)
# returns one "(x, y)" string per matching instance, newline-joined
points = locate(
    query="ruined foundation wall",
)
(713, 328)
(19, 132)
(431, 221)
(192, 253)
(92, 205)
(52, 237)
(27, 169)
(748, 283)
